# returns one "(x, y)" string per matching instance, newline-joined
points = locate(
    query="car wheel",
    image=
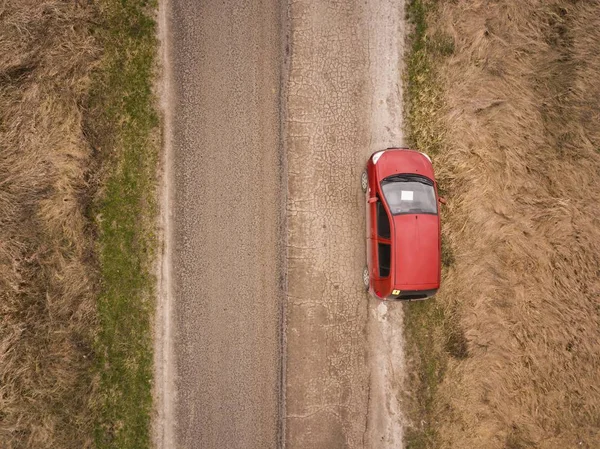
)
(364, 181)
(366, 278)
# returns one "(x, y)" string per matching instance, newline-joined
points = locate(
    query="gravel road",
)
(226, 223)
(265, 336)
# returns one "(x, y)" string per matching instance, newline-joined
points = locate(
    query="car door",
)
(372, 237)
(383, 247)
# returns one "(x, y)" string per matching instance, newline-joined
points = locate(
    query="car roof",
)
(416, 249)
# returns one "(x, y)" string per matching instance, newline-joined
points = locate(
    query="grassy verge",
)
(432, 331)
(506, 354)
(78, 155)
(123, 126)
(424, 95)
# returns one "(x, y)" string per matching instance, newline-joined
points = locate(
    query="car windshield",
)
(409, 194)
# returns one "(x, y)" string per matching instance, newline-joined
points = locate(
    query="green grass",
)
(432, 330)
(424, 96)
(123, 126)
(424, 323)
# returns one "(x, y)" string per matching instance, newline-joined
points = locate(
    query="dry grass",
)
(56, 168)
(47, 316)
(520, 119)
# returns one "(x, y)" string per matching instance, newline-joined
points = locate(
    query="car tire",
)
(364, 181)
(366, 282)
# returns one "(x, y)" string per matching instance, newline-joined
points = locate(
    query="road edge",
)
(164, 385)
(385, 323)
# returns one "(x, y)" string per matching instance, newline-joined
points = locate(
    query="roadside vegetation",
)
(505, 98)
(78, 154)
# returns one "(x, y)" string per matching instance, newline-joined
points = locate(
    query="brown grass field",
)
(47, 286)
(77, 164)
(508, 102)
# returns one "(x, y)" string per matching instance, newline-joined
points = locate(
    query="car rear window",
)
(409, 194)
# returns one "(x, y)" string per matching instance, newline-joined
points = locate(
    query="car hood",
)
(416, 249)
(392, 162)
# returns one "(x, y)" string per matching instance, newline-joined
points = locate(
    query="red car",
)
(403, 225)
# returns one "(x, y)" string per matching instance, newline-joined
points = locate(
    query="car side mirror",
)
(442, 200)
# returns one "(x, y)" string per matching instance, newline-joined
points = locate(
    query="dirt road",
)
(344, 355)
(337, 380)
(224, 331)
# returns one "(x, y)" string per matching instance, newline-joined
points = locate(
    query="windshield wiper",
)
(422, 180)
(397, 178)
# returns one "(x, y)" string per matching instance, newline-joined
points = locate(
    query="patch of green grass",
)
(424, 324)
(432, 330)
(424, 96)
(447, 253)
(123, 125)
(434, 336)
